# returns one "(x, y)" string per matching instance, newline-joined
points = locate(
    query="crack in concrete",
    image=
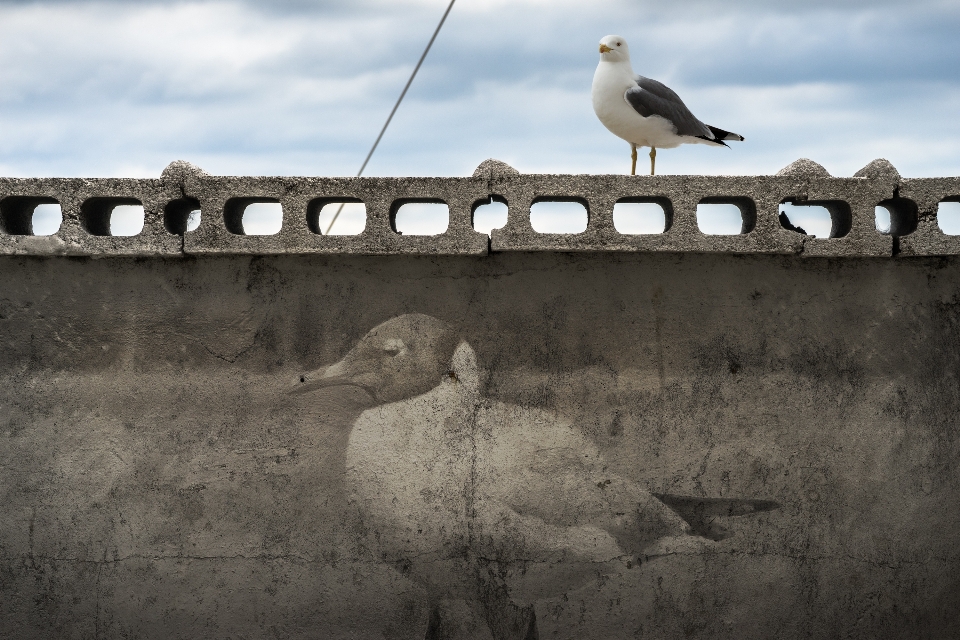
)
(159, 558)
(96, 621)
(35, 560)
(183, 236)
(228, 359)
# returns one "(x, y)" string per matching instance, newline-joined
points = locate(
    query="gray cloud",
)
(109, 88)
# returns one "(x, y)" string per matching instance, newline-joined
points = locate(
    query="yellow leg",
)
(653, 159)
(633, 157)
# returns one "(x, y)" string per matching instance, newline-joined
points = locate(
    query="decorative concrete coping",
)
(86, 205)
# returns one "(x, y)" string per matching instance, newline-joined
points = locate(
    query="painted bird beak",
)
(335, 375)
(604, 48)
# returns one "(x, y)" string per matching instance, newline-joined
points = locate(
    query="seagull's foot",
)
(457, 620)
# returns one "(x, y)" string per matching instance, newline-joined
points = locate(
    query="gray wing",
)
(542, 468)
(652, 98)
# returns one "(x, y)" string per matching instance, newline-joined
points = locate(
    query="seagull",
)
(644, 112)
(491, 505)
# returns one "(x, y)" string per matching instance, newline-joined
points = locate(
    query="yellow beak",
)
(604, 48)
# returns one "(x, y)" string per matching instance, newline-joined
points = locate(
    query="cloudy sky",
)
(301, 87)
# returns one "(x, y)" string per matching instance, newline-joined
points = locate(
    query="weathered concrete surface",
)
(160, 481)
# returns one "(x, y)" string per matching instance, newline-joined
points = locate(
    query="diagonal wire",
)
(396, 106)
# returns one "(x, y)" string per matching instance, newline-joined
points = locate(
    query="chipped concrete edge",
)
(182, 186)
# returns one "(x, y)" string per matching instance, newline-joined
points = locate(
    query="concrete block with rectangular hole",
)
(86, 205)
(851, 202)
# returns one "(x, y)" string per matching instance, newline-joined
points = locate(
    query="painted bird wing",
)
(652, 98)
(539, 466)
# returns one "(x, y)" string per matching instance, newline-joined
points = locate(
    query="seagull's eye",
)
(618, 44)
(394, 346)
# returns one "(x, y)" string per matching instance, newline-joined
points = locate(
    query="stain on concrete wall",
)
(165, 473)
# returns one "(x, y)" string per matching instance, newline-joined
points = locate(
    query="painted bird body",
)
(449, 474)
(488, 505)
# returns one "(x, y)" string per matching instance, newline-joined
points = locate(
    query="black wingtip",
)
(729, 507)
(701, 513)
(722, 134)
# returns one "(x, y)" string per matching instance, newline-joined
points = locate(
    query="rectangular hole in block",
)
(427, 217)
(948, 216)
(253, 216)
(810, 217)
(30, 216)
(881, 219)
(642, 216)
(181, 216)
(352, 218)
(726, 216)
(126, 220)
(47, 218)
(112, 216)
(553, 214)
(489, 214)
(896, 216)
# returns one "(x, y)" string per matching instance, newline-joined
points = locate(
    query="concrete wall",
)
(180, 456)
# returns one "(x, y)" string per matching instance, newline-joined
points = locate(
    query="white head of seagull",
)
(642, 111)
(614, 49)
(400, 358)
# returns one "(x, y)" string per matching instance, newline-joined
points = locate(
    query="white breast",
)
(408, 466)
(610, 82)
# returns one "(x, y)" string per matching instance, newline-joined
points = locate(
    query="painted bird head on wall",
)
(400, 358)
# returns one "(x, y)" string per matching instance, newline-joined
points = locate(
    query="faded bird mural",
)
(491, 505)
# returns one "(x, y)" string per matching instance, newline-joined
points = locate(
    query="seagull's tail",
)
(702, 513)
(719, 135)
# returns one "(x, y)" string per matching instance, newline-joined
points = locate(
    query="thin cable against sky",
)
(394, 110)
